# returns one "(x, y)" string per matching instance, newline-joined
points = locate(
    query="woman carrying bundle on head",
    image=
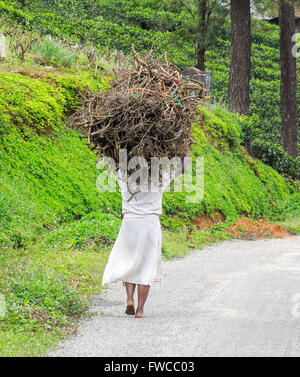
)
(136, 255)
(148, 111)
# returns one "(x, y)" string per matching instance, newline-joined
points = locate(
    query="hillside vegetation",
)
(169, 27)
(51, 174)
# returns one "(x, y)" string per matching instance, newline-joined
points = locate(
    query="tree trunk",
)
(239, 81)
(201, 43)
(289, 124)
(201, 57)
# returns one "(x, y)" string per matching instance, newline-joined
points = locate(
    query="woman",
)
(136, 255)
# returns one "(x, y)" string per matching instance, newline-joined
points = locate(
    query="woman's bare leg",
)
(143, 291)
(130, 288)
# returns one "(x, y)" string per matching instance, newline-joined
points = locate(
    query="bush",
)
(234, 184)
(291, 206)
(20, 39)
(45, 180)
(30, 104)
(49, 52)
(98, 228)
(38, 300)
(275, 156)
(10, 13)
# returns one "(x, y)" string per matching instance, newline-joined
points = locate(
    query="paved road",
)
(239, 298)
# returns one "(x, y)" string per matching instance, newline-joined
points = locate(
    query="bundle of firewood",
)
(148, 111)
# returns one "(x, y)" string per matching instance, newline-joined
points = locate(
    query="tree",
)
(203, 19)
(239, 80)
(205, 9)
(289, 126)
(289, 123)
(206, 18)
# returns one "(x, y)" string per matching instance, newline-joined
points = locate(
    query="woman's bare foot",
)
(130, 308)
(139, 315)
(143, 291)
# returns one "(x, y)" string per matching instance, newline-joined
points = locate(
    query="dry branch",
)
(148, 110)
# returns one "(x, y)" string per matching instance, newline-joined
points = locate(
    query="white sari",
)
(136, 254)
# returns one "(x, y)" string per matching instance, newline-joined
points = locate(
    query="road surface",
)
(238, 298)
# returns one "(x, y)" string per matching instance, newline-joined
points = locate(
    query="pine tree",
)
(289, 123)
(239, 81)
(206, 16)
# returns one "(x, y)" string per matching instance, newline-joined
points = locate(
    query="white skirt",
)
(136, 254)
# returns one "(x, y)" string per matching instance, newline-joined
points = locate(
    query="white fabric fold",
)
(136, 254)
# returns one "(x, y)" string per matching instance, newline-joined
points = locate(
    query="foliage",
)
(39, 300)
(46, 290)
(42, 178)
(20, 39)
(30, 104)
(170, 26)
(289, 213)
(56, 174)
(223, 129)
(95, 227)
(275, 156)
(8, 13)
(40, 104)
(233, 183)
(290, 206)
(49, 52)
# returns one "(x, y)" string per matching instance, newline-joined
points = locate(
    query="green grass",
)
(48, 52)
(47, 290)
(179, 244)
(17, 343)
(289, 215)
(293, 224)
(48, 287)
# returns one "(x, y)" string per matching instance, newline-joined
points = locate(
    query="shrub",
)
(98, 228)
(44, 180)
(30, 104)
(234, 184)
(292, 205)
(49, 52)
(38, 300)
(9, 13)
(20, 39)
(275, 156)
